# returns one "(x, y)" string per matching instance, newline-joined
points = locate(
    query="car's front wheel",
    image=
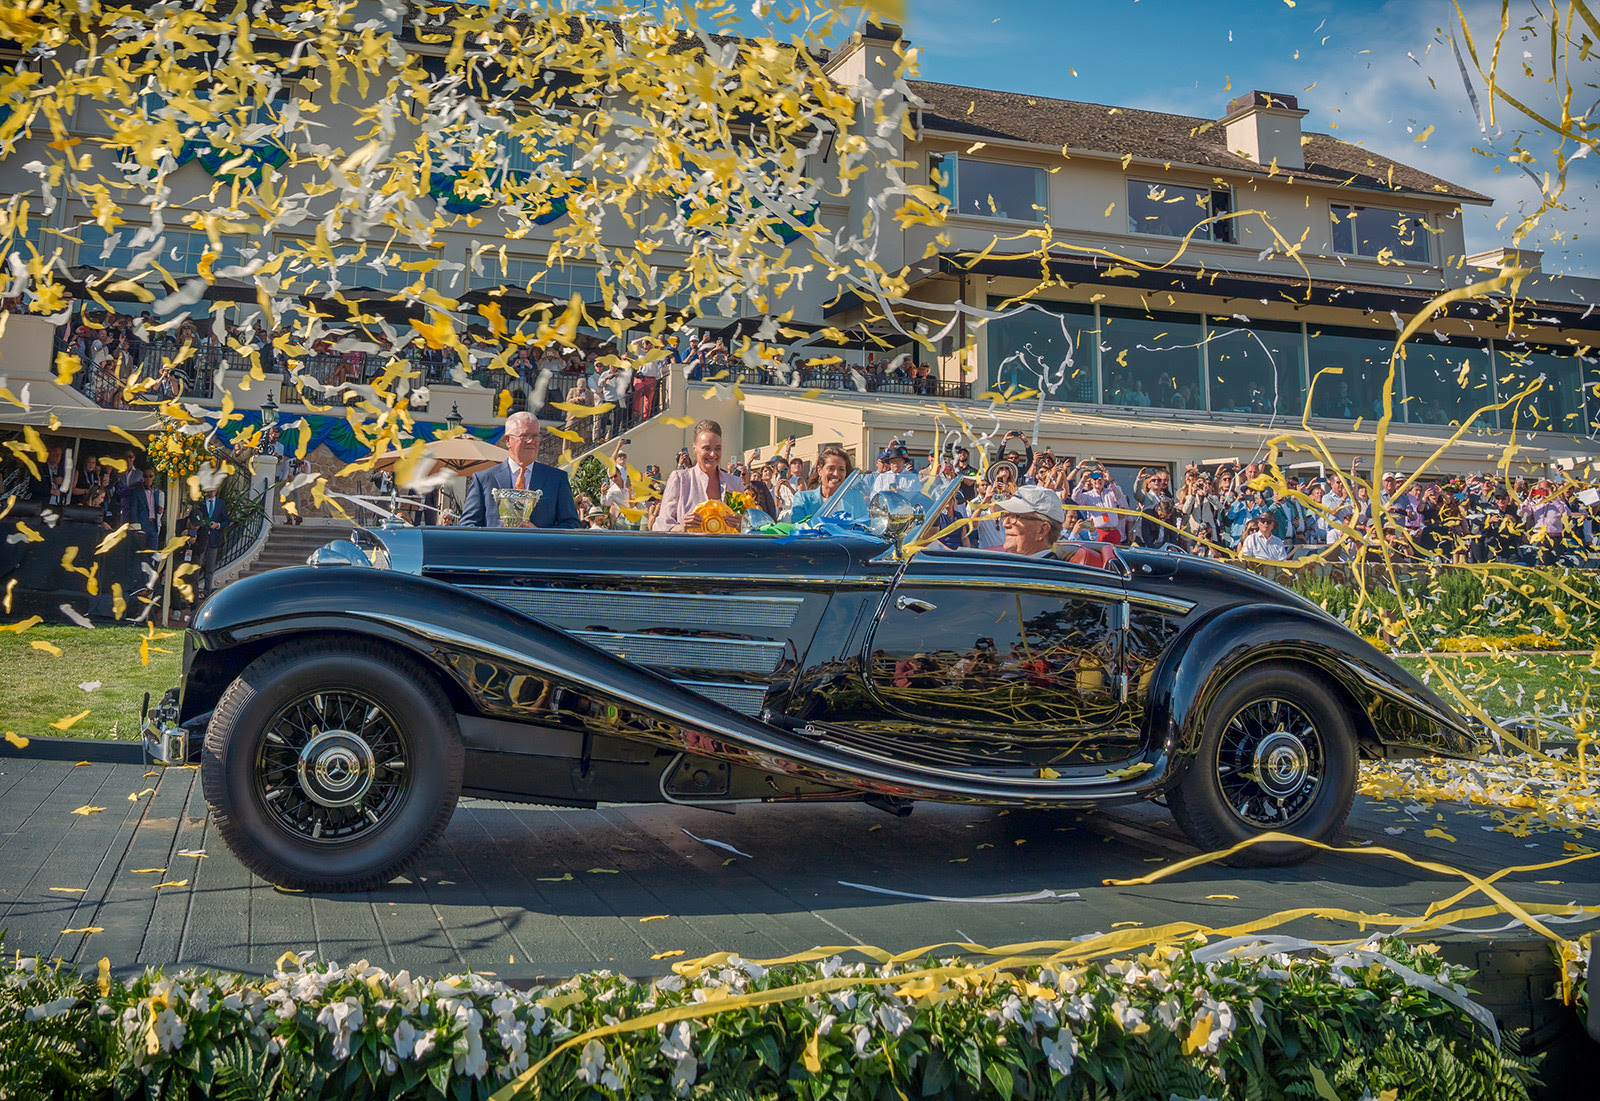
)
(1277, 755)
(331, 768)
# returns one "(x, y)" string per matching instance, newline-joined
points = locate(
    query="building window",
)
(798, 429)
(989, 189)
(757, 431)
(180, 253)
(1557, 406)
(1171, 211)
(1151, 359)
(1362, 361)
(1030, 349)
(371, 265)
(1257, 368)
(1447, 383)
(1381, 234)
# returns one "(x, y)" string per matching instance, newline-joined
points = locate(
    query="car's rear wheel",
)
(332, 768)
(1277, 755)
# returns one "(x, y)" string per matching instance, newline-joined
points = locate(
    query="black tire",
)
(1222, 800)
(398, 795)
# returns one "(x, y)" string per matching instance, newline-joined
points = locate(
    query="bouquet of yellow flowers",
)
(739, 503)
(176, 453)
(712, 518)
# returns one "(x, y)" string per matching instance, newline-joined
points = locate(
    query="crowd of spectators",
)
(1214, 511)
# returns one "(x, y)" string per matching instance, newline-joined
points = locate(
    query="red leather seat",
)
(1094, 555)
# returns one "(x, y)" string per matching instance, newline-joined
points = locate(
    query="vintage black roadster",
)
(338, 711)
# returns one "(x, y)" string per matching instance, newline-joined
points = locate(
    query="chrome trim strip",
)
(1065, 781)
(787, 581)
(901, 772)
(1023, 581)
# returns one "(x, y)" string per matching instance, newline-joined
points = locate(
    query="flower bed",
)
(1232, 1019)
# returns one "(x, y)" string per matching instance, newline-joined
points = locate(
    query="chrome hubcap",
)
(332, 766)
(336, 768)
(1270, 763)
(1281, 763)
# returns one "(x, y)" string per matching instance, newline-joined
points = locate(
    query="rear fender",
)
(1393, 713)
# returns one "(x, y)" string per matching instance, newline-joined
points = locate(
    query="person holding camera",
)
(1097, 491)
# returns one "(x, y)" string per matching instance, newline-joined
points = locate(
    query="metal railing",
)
(847, 381)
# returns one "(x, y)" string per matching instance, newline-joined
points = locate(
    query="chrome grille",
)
(727, 613)
(689, 651)
(745, 698)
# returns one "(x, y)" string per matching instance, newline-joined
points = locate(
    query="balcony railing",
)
(825, 378)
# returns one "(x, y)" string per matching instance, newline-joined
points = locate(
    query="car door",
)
(1004, 667)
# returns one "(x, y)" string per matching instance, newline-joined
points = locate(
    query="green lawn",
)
(1516, 686)
(40, 688)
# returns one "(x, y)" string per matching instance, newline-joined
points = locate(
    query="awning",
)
(1219, 284)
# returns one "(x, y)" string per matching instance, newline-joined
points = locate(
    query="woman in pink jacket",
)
(703, 481)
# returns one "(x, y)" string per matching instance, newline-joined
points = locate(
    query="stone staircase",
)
(289, 546)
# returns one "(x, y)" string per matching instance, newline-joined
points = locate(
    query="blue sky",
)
(1361, 67)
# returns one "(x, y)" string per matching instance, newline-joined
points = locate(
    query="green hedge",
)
(1380, 1022)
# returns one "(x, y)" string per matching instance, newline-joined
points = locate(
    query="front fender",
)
(1393, 713)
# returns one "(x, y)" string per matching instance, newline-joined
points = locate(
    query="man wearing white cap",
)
(1032, 518)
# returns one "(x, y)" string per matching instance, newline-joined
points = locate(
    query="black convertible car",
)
(338, 711)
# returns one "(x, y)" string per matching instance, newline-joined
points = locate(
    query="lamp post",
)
(453, 421)
(269, 413)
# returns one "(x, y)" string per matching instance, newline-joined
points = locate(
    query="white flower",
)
(1168, 1011)
(233, 1002)
(894, 1019)
(1256, 1006)
(426, 1042)
(829, 966)
(388, 1062)
(170, 1029)
(1011, 1010)
(843, 1000)
(672, 983)
(199, 1001)
(827, 1025)
(341, 1019)
(405, 1038)
(1125, 1015)
(1060, 1052)
(679, 1047)
(591, 1062)
(1081, 1007)
(862, 1034)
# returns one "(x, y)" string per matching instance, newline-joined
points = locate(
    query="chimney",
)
(868, 54)
(1265, 127)
(1502, 259)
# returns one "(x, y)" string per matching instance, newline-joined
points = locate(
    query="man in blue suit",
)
(556, 508)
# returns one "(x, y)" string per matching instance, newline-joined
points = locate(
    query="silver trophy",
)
(515, 506)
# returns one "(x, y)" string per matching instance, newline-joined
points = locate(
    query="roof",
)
(1154, 135)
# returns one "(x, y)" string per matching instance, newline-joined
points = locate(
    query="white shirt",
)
(905, 482)
(1269, 547)
(527, 478)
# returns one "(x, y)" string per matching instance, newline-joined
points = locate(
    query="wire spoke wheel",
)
(332, 767)
(1271, 761)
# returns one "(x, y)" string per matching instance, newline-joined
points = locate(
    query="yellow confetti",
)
(67, 722)
(86, 809)
(135, 796)
(1437, 832)
(1048, 774)
(1230, 897)
(17, 740)
(1125, 924)
(603, 871)
(170, 883)
(70, 890)
(668, 955)
(556, 878)
(146, 871)
(654, 917)
(48, 647)
(85, 929)
(1129, 772)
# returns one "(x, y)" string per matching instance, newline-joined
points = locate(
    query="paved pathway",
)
(533, 892)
